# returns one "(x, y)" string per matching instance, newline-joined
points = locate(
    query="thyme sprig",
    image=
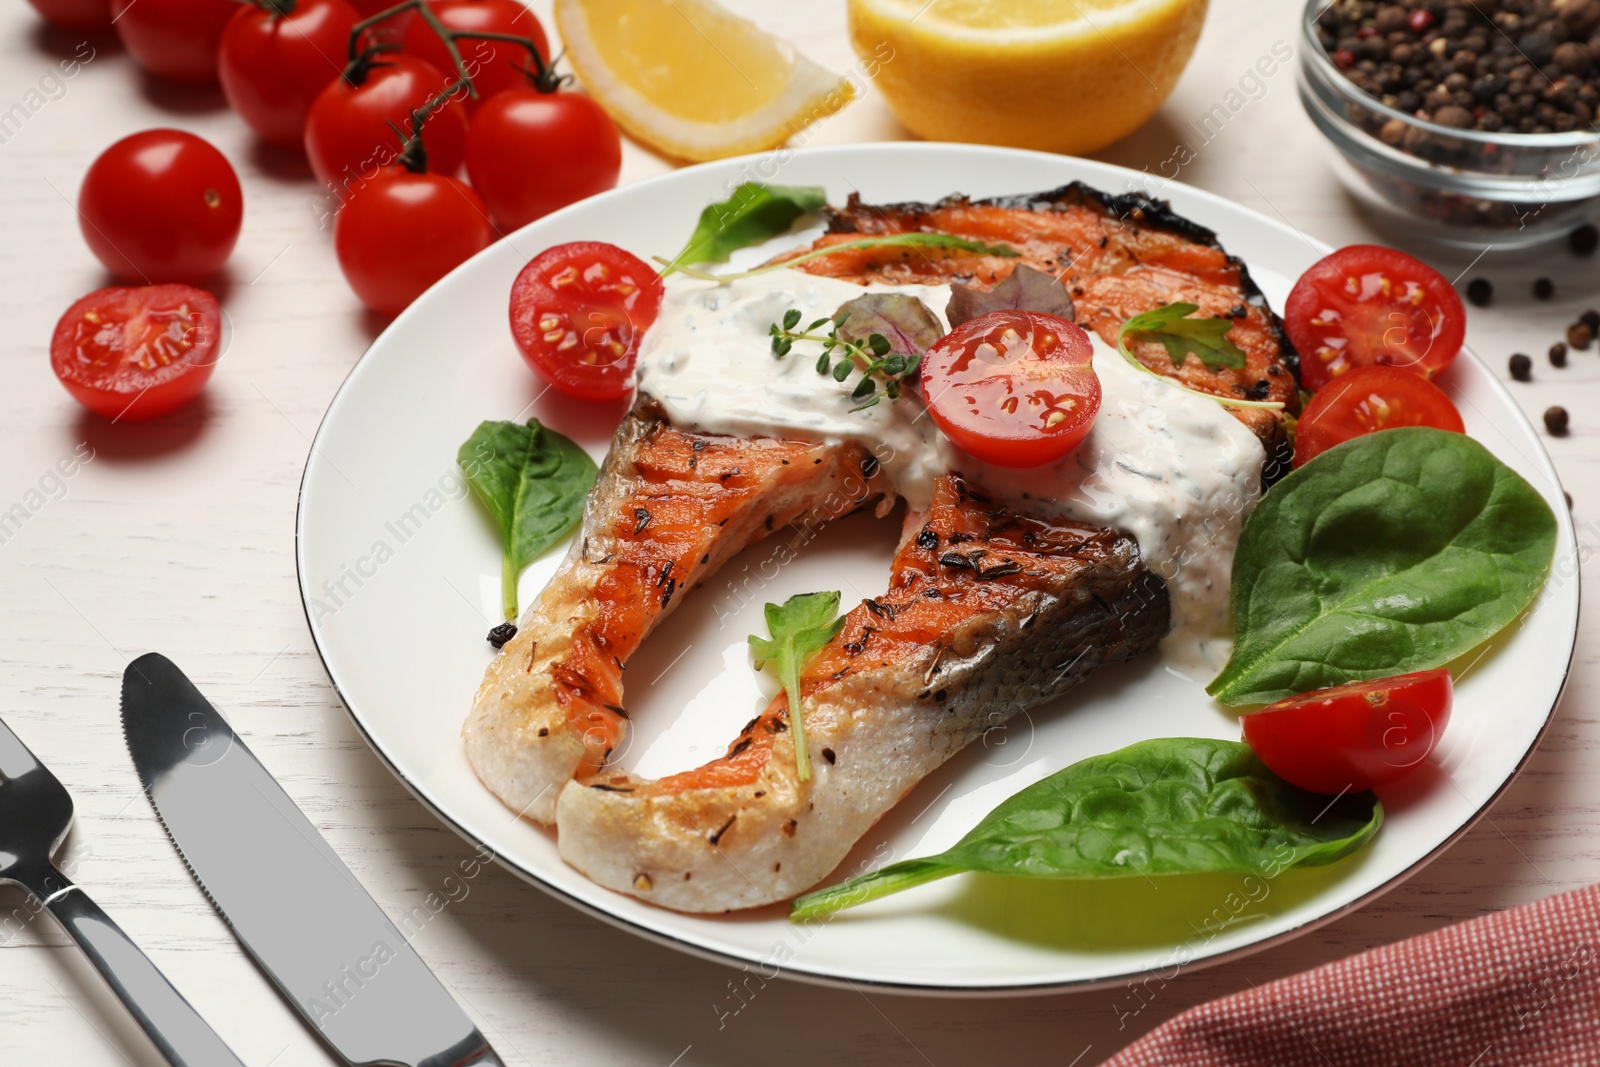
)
(873, 357)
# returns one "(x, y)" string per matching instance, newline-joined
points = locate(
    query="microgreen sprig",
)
(872, 357)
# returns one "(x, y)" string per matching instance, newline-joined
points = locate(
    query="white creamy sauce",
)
(1173, 470)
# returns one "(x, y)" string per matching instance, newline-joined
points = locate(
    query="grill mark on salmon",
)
(951, 650)
(669, 507)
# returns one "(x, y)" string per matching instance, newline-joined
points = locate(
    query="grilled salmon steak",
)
(987, 610)
(990, 610)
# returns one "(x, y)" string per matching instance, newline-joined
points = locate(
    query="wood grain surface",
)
(179, 537)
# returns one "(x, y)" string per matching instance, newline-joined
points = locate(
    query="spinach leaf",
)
(1391, 553)
(799, 626)
(752, 214)
(1024, 289)
(1176, 805)
(1181, 335)
(534, 482)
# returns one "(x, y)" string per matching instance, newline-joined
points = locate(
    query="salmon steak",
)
(994, 603)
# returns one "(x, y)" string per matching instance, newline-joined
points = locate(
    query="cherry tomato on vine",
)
(1367, 304)
(348, 137)
(84, 16)
(531, 152)
(1014, 388)
(161, 206)
(272, 65)
(176, 39)
(1366, 400)
(132, 354)
(401, 232)
(1352, 737)
(578, 311)
(494, 66)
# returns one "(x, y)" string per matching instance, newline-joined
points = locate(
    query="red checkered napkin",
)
(1520, 988)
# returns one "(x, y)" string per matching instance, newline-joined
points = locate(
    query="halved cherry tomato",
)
(578, 311)
(176, 39)
(1014, 388)
(161, 206)
(1366, 400)
(349, 138)
(401, 232)
(1353, 737)
(1366, 304)
(494, 66)
(272, 66)
(131, 354)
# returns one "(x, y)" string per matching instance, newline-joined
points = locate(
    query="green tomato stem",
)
(881, 883)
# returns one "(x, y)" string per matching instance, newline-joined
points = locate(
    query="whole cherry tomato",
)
(161, 206)
(1366, 400)
(348, 135)
(401, 232)
(84, 16)
(176, 39)
(530, 152)
(578, 311)
(1014, 388)
(1367, 304)
(1352, 737)
(131, 354)
(272, 65)
(494, 66)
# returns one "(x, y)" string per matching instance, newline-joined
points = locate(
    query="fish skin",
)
(882, 708)
(550, 706)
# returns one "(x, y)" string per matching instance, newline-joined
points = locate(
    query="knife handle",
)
(183, 1037)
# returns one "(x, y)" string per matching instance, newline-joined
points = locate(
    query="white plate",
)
(400, 573)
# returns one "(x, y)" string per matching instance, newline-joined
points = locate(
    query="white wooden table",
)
(179, 537)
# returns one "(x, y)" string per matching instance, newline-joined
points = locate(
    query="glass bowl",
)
(1467, 188)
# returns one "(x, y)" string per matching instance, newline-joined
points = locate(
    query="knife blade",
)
(292, 903)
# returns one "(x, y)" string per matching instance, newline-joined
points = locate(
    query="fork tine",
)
(15, 759)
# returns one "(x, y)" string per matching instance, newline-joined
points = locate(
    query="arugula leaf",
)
(1181, 335)
(752, 214)
(799, 626)
(1166, 806)
(534, 482)
(1391, 553)
(1024, 289)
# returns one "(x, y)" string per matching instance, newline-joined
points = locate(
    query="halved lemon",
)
(691, 79)
(1058, 75)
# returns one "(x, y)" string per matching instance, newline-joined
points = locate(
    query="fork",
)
(35, 813)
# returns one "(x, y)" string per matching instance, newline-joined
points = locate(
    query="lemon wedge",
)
(1058, 75)
(691, 79)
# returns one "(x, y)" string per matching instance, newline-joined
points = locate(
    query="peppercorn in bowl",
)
(1470, 123)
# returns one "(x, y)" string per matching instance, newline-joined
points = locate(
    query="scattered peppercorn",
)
(1569, 499)
(1544, 288)
(502, 633)
(1555, 420)
(1584, 240)
(1480, 291)
(1558, 354)
(1591, 319)
(1579, 335)
(1521, 368)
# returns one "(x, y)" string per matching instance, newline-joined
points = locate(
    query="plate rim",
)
(795, 969)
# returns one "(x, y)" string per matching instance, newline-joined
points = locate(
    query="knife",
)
(290, 900)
